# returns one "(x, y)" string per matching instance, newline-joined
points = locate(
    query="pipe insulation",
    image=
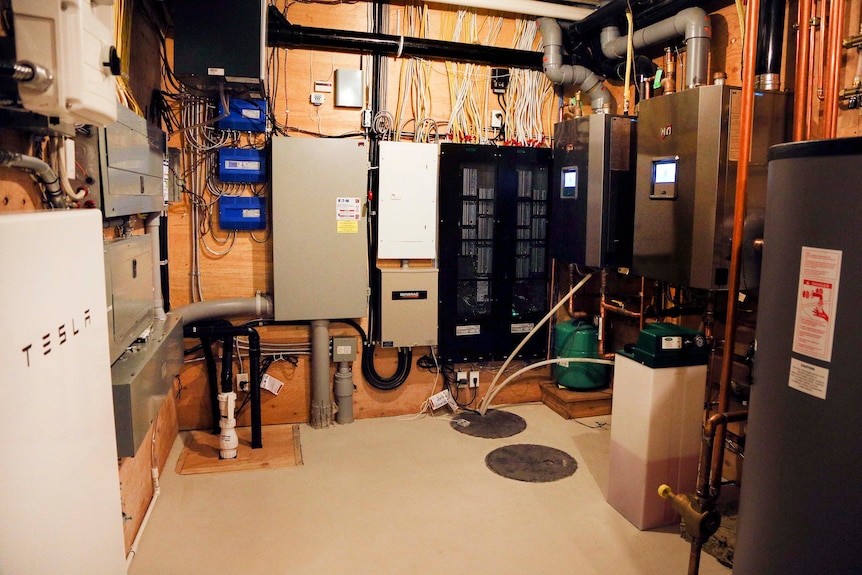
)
(692, 24)
(321, 403)
(591, 85)
(41, 170)
(260, 305)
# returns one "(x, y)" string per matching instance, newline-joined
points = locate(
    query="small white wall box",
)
(408, 201)
(73, 41)
(348, 88)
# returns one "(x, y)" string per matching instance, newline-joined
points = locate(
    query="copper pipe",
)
(553, 297)
(707, 470)
(619, 310)
(642, 303)
(803, 47)
(833, 67)
(820, 59)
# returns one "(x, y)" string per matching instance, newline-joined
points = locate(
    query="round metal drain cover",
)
(493, 425)
(532, 463)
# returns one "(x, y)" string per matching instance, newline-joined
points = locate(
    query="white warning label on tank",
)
(807, 378)
(816, 302)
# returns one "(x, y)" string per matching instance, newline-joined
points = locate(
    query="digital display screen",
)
(570, 183)
(664, 172)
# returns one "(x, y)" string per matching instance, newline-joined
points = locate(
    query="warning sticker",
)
(348, 212)
(807, 378)
(816, 302)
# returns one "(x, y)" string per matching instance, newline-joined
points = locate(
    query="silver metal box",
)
(319, 201)
(687, 156)
(141, 378)
(408, 307)
(128, 290)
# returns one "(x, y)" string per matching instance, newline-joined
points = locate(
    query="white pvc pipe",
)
(528, 7)
(152, 228)
(563, 360)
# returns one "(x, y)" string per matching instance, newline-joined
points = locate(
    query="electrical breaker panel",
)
(408, 201)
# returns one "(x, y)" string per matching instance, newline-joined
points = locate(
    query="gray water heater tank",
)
(799, 504)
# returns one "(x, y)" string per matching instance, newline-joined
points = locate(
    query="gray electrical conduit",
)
(152, 227)
(492, 390)
(592, 85)
(259, 306)
(42, 171)
(692, 24)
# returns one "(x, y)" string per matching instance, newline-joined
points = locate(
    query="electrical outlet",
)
(317, 98)
(496, 119)
(461, 378)
(242, 382)
(473, 380)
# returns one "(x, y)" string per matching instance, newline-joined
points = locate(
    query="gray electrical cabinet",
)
(408, 306)
(687, 156)
(319, 202)
(128, 290)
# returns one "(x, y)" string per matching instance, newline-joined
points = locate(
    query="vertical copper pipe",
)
(642, 310)
(752, 16)
(602, 313)
(803, 47)
(833, 68)
(820, 58)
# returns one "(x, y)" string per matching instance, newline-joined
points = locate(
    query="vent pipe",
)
(692, 24)
(770, 40)
(591, 85)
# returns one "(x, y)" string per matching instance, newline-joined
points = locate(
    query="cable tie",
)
(400, 46)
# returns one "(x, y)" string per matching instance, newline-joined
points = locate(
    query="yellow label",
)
(347, 227)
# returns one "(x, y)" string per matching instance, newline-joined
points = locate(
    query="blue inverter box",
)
(242, 213)
(245, 116)
(242, 165)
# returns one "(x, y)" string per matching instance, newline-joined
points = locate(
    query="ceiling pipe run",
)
(528, 7)
(692, 24)
(591, 85)
(283, 34)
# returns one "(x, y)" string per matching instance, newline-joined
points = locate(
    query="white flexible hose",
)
(490, 397)
(483, 406)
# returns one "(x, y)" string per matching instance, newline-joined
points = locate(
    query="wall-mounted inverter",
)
(687, 156)
(592, 191)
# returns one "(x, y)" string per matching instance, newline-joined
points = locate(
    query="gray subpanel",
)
(129, 290)
(141, 378)
(320, 263)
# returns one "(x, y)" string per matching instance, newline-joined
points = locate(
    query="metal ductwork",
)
(591, 85)
(692, 24)
(770, 39)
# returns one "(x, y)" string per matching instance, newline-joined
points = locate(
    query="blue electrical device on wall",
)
(242, 165)
(245, 115)
(242, 213)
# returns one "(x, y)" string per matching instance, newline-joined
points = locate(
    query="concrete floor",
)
(407, 497)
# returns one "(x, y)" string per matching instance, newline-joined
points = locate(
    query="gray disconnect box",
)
(408, 306)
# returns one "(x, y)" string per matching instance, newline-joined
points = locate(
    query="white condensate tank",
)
(59, 482)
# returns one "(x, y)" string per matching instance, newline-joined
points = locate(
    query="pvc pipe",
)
(590, 84)
(152, 227)
(344, 393)
(692, 24)
(321, 403)
(260, 305)
(529, 7)
(42, 171)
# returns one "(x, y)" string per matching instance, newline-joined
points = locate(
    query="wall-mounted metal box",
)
(408, 307)
(593, 191)
(687, 156)
(407, 201)
(319, 197)
(128, 290)
(141, 378)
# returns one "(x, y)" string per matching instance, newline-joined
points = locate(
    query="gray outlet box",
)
(343, 349)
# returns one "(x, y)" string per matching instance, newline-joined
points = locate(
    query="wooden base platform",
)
(573, 404)
(281, 448)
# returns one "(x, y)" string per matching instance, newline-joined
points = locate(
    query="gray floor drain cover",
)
(533, 463)
(493, 425)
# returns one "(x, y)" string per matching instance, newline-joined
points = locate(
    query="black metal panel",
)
(493, 250)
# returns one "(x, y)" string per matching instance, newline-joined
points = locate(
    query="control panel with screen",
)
(664, 176)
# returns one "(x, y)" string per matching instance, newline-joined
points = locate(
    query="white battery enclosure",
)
(408, 201)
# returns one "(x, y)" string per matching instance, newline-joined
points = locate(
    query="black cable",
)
(375, 380)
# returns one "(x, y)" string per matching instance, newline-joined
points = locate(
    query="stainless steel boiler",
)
(687, 154)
